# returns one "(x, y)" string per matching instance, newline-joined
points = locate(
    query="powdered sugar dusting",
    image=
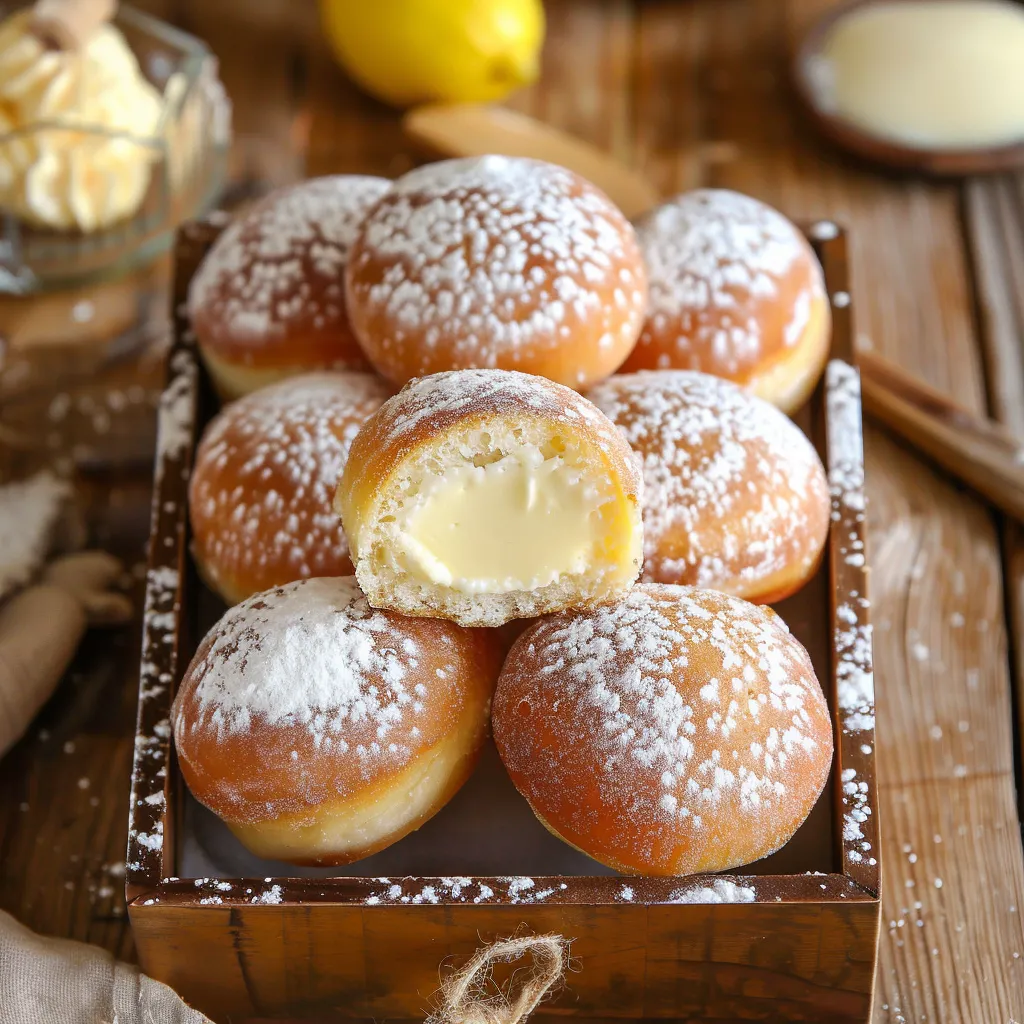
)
(854, 669)
(733, 490)
(518, 889)
(845, 437)
(856, 812)
(673, 739)
(283, 261)
(442, 398)
(492, 256)
(176, 413)
(714, 257)
(265, 474)
(721, 890)
(311, 654)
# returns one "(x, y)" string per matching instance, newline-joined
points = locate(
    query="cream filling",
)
(519, 523)
(937, 74)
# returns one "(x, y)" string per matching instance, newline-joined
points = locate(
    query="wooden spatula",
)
(474, 130)
(977, 451)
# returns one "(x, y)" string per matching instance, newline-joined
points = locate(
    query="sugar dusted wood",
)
(823, 926)
(691, 92)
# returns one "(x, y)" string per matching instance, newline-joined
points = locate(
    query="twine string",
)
(463, 993)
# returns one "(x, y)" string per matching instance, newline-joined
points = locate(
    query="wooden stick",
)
(466, 129)
(976, 450)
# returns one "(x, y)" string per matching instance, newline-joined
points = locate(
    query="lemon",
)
(415, 51)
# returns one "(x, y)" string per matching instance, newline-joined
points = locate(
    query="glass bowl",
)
(185, 157)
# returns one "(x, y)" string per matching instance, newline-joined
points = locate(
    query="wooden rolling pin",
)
(975, 450)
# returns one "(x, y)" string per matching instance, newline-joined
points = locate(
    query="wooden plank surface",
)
(694, 93)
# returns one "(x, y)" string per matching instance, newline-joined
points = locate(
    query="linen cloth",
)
(57, 981)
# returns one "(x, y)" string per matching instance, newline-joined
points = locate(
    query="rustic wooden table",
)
(693, 92)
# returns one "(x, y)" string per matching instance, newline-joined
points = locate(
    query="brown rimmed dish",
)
(876, 148)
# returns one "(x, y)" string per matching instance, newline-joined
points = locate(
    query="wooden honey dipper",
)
(974, 449)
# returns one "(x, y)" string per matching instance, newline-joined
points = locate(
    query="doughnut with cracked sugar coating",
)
(490, 495)
(268, 300)
(322, 730)
(735, 291)
(264, 478)
(735, 496)
(497, 262)
(678, 731)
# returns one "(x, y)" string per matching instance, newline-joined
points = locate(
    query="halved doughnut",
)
(488, 495)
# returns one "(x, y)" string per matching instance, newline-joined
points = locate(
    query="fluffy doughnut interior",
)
(496, 520)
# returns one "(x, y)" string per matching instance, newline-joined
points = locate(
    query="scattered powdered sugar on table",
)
(669, 740)
(259, 277)
(493, 254)
(713, 257)
(266, 470)
(721, 890)
(312, 654)
(732, 487)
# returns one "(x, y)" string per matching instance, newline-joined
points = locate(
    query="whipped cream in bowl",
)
(104, 149)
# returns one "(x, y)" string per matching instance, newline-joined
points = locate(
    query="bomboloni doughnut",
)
(736, 291)
(489, 495)
(260, 497)
(675, 732)
(496, 262)
(322, 730)
(268, 301)
(735, 496)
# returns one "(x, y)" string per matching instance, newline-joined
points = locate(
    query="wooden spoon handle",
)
(976, 450)
(475, 130)
(68, 24)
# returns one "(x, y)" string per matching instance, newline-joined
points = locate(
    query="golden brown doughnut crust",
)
(264, 479)
(678, 731)
(303, 696)
(735, 496)
(496, 262)
(269, 296)
(735, 291)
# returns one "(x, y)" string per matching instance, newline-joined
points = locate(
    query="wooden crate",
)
(781, 946)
